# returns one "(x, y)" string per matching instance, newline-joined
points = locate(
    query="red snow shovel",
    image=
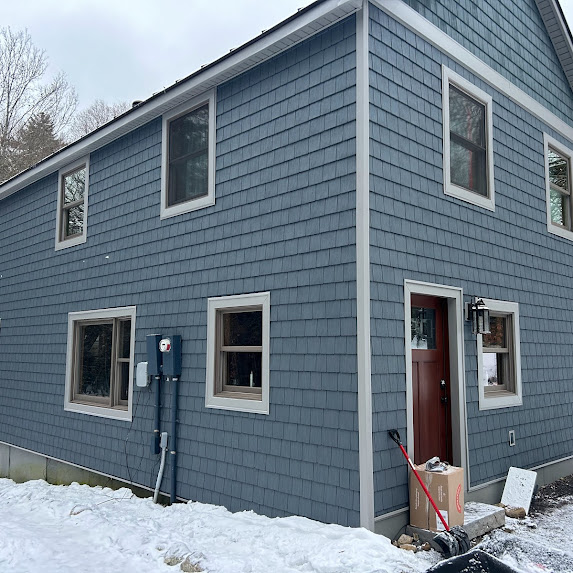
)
(454, 541)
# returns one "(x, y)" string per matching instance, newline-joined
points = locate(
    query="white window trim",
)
(450, 77)
(504, 399)
(201, 202)
(65, 243)
(103, 412)
(263, 300)
(548, 142)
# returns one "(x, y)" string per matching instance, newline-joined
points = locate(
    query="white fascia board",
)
(552, 16)
(423, 28)
(293, 31)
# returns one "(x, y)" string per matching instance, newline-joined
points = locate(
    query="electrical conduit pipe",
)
(163, 446)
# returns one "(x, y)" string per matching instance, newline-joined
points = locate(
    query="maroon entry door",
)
(430, 379)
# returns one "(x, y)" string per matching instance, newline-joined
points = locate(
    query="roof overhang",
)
(305, 23)
(559, 32)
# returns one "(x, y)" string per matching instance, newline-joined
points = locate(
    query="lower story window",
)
(100, 362)
(238, 352)
(499, 357)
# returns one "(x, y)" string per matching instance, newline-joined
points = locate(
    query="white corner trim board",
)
(423, 28)
(365, 443)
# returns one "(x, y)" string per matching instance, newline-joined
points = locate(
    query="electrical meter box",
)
(171, 356)
(154, 356)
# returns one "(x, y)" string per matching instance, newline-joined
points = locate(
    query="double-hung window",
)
(100, 362)
(468, 142)
(558, 188)
(499, 362)
(188, 157)
(72, 204)
(238, 353)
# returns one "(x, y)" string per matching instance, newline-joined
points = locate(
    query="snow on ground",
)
(536, 544)
(77, 528)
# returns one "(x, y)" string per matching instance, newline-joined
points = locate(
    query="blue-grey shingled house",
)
(311, 214)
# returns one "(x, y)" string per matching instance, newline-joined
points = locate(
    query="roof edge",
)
(559, 33)
(296, 28)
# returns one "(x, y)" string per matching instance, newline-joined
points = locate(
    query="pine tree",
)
(35, 141)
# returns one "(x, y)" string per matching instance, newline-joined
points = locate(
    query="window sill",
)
(187, 206)
(560, 231)
(120, 413)
(238, 402)
(70, 242)
(499, 399)
(469, 196)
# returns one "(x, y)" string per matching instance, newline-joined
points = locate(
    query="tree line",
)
(38, 114)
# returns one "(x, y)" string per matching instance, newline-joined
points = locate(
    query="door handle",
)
(443, 384)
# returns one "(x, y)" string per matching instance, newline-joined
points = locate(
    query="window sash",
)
(222, 388)
(505, 359)
(560, 210)
(66, 207)
(476, 166)
(114, 400)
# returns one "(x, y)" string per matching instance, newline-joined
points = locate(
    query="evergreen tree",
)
(35, 141)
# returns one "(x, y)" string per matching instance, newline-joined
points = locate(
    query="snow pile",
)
(51, 529)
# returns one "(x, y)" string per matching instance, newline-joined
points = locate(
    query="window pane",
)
(95, 366)
(423, 326)
(188, 178)
(124, 339)
(559, 207)
(497, 335)
(74, 221)
(189, 134)
(467, 117)
(243, 328)
(123, 373)
(468, 168)
(242, 369)
(558, 170)
(494, 369)
(74, 185)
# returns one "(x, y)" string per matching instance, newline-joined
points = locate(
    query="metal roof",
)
(305, 23)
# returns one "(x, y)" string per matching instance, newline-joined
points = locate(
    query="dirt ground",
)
(552, 496)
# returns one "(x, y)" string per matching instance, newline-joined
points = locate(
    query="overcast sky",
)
(123, 50)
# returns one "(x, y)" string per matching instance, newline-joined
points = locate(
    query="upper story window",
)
(71, 225)
(499, 359)
(468, 142)
(238, 353)
(558, 188)
(100, 362)
(188, 157)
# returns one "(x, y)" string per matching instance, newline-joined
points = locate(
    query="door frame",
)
(454, 298)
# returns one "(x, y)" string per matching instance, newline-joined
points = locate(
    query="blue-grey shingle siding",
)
(509, 36)
(283, 222)
(420, 233)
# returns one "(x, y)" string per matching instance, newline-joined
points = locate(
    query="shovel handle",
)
(396, 437)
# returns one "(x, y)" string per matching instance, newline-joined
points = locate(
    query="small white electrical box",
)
(141, 377)
(165, 345)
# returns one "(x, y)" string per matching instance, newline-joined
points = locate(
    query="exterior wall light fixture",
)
(478, 313)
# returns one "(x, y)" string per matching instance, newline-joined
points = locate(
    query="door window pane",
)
(423, 327)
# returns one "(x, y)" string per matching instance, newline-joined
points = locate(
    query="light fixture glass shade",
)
(480, 317)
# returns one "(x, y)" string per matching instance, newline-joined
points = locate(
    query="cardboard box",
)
(447, 491)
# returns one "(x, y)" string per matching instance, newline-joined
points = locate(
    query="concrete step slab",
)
(479, 519)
